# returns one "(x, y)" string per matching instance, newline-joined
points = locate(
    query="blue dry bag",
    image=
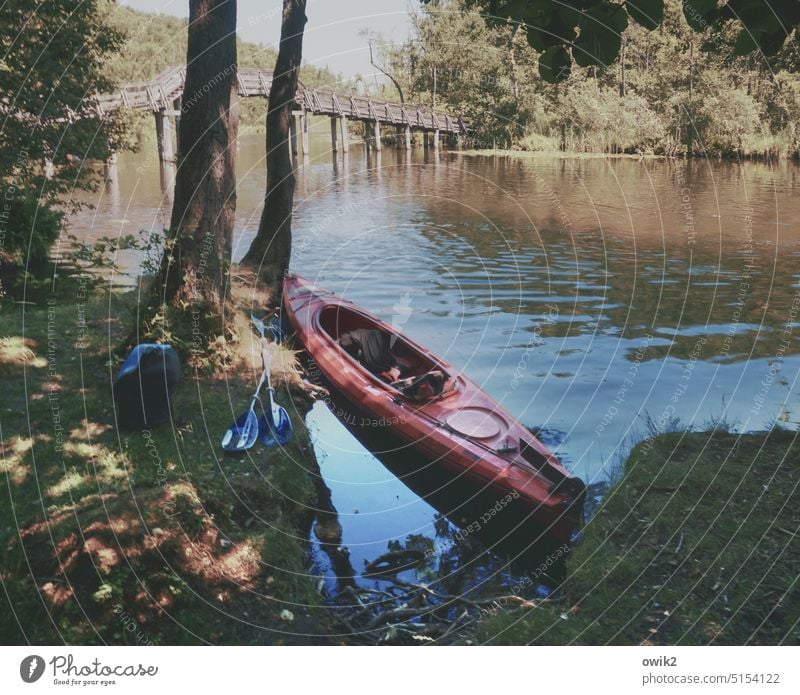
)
(144, 384)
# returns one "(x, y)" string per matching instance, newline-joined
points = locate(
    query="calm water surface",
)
(595, 299)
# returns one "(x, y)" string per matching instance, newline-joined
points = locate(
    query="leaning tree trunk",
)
(271, 250)
(193, 269)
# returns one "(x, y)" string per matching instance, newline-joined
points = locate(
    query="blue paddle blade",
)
(242, 434)
(277, 330)
(274, 327)
(275, 429)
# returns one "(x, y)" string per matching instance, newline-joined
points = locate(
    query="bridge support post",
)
(164, 137)
(407, 137)
(110, 167)
(398, 140)
(293, 136)
(376, 134)
(177, 116)
(436, 140)
(345, 135)
(304, 133)
(369, 136)
(334, 135)
(166, 175)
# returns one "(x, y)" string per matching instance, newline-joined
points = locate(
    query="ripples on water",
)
(589, 296)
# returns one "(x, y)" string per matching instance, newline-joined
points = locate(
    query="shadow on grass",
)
(147, 537)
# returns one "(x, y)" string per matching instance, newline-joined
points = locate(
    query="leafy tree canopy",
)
(589, 32)
(52, 58)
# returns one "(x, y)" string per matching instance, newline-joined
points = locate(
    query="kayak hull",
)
(462, 431)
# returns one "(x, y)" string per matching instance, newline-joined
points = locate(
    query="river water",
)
(596, 299)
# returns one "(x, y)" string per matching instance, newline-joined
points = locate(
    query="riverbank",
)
(574, 154)
(554, 154)
(698, 543)
(151, 536)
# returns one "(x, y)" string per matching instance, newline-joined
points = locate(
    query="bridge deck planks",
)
(161, 93)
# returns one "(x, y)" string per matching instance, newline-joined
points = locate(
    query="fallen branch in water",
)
(395, 613)
(444, 598)
(394, 561)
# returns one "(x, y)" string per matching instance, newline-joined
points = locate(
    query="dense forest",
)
(670, 91)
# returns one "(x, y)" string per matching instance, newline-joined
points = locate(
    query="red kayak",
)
(459, 426)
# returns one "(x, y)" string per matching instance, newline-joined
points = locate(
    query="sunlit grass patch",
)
(17, 351)
(13, 454)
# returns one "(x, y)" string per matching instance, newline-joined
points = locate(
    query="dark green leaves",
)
(699, 13)
(590, 30)
(511, 8)
(745, 43)
(548, 29)
(648, 13)
(601, 35)
(763, 28)
(555, 64)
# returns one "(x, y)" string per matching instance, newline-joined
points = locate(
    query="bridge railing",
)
(161, 93)
(416, 117)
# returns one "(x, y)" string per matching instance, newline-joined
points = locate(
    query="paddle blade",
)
(242, 434)
(275, 428)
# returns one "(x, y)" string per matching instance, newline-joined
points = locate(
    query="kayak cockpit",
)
(383, 352)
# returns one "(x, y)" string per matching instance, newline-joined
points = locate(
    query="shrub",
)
(31, 225)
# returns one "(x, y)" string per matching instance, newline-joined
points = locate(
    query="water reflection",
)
(455, 538)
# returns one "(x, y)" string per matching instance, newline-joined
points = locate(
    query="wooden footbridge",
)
(162, 96)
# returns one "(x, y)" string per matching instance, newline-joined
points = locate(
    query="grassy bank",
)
(697, 544)
(756, 156)
(144, 537)
(549, 154)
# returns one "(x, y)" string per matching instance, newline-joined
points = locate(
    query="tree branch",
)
(378, 67)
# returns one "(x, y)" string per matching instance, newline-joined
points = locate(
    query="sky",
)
(331, 35)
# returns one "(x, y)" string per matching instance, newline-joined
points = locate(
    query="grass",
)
(697, 544)
(144, 537)
(560, 154)
(152, 537)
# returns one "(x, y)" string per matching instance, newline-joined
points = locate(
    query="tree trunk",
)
(195, 262)
(513, 62)
(271, 250)
(690, 143)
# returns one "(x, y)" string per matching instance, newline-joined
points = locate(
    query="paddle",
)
(275, 426)
(242, 434)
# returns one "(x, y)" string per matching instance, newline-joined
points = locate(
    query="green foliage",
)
(591, 30)
(647, 13)
(594, 117)
(680, 90)
(54, 52)
(600, 36)
(155, 42)
(455, 59)
(555, 64)
(765, 25)
(32, 226)
(699, 13)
